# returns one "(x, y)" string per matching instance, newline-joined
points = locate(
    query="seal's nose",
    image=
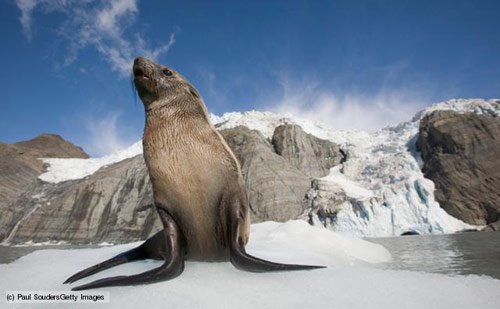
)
(137, 60)
(141, 60)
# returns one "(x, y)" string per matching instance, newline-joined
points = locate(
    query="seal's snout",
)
(144, 77)
(138, 72)
(140, 68)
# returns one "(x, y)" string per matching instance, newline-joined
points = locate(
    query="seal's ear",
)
(193, 91)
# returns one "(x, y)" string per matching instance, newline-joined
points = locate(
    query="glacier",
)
(378, 191)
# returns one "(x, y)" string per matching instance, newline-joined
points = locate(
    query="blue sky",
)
(351, 64)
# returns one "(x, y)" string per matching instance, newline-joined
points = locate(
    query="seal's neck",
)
(157, 105)
(177, 105)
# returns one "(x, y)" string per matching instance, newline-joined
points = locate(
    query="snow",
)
(266, 122)
(349, 187)
(380, 189)
(37, 244)
(312, 243)
(477, 106)
(67, 169)
(350, 281)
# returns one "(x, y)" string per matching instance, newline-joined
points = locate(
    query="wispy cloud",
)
(215, 92)
(347, 110)
(106, 135)
(102, 25)
(26, 7)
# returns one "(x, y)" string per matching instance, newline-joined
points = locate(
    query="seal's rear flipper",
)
(171, 251)
(244, 261)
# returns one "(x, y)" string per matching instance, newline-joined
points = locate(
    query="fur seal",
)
(198, 188)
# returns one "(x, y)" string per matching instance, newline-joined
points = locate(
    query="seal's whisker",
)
(134, 90)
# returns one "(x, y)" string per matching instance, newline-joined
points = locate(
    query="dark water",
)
(465, 253)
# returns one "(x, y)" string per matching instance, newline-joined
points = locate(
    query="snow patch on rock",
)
(68, 169)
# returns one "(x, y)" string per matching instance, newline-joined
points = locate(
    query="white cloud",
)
(106, 135)
(102, 25)
(26, 7)
(108, 17)
(307, 99)
(156, 52)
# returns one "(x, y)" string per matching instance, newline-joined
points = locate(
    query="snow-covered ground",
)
(380, 189)
(350, 281)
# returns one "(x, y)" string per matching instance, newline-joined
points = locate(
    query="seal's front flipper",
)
(172, 252)
(125, 257)
(244, 261)
(150, 249)
(169, 269)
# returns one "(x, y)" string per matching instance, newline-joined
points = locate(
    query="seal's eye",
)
(167, 72)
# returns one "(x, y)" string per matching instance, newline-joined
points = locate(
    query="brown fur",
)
(194, 173)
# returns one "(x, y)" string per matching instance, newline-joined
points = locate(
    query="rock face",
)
(276, 189)
(495, 226)
(461, 154)
(109, 204)
(278, 174)
(19, 168)
(311, 155)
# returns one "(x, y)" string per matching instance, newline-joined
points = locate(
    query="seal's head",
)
(156, 82)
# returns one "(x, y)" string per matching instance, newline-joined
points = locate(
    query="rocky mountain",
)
(20, 164)
(113, 204)
(368, 184)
